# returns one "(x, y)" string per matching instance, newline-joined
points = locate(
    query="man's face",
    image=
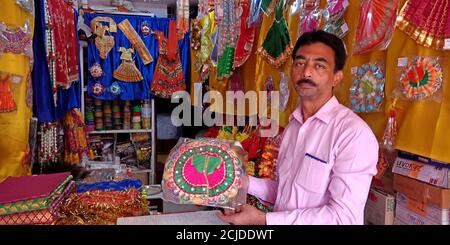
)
(313, 73)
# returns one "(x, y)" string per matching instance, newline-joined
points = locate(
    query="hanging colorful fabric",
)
(168, 77)
(277, 46)
(204, 172)
(75, 137)
(367, 91)
(246, 35)
(182, 18)
(284, 92)
(29, 96)
(208, 30)
(227, 40)
(310, 16)
(268, 6)
(421, 79)
(127, 71)
(427, 22)
(376, 25)
(103, 42)
(7, 103)
(255, 17)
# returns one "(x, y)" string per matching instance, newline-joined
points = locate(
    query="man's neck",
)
(311, 107)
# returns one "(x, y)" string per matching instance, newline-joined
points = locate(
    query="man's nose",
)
(307, 72)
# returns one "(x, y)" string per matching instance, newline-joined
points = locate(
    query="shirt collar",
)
(324, 113)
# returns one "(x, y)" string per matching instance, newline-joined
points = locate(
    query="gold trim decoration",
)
(136, 41)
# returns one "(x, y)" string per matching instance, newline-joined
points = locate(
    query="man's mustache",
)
(307, 81)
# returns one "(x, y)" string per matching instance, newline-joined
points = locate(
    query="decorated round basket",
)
(205, 172)
(421, 79)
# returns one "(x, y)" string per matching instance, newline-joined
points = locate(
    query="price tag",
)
(447, 44)
(344, 28)
(402, 62)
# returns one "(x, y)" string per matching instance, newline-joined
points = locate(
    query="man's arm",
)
(355, 164)
(263, 189)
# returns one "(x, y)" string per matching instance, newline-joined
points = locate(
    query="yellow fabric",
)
(15, 125)
(422, 126)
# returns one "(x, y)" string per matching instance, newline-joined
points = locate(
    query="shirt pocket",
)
(314, 174)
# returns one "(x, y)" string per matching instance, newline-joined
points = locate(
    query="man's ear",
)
(337, 77)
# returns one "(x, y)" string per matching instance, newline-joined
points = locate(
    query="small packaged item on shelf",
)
(367, 90)
(419, 78)
(207, 172)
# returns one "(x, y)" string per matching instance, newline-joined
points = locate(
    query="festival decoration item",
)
(255, 17)
(310, 16)
(205, 172)
(277, 46)
(182, 18)
(427, 22)
(48, 149)
(127, 70)
(367, 91)
(27, 5)
(96, 70)
(376, 25)
(421, 78)
(75, 137)
(97, 89)
(103, 42)
(145, 29)
(16, 40)
(7, 103)
(135, 40)
(115, 89)
(284, 92)
(246, 35)
(390, 132)
(335, 9)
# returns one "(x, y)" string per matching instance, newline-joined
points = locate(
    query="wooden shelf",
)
(121, 131)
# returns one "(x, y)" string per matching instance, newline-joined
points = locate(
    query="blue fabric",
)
(43, 104)
(111, 185)
(137, 90)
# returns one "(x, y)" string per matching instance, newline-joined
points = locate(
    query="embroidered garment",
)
(182, 18)
(16, 40)
(169, 76)
(127, 71)
(209, 28)
(204, 172)
(277, 46)
(246, 35)
(7, 103)
(103, 42)
(227, 39)
(427, 22)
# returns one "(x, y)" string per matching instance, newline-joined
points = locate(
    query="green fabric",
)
(225, 63)
(277, 39)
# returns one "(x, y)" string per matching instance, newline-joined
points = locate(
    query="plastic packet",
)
(338, 27)
(206, 171)
(295, 7)
(335, 9)
(419, 78)
(375, 26)
(310, 21)
(255, 17)
(367, 90)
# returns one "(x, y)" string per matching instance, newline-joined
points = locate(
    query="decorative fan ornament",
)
(376, 25)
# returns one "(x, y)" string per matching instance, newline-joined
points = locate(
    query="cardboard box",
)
(422, 192)
(430, 212)
(380, 208)
(143, 175)
(406, 217)
(432, 174)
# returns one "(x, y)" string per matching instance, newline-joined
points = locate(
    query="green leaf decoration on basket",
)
(212, 163)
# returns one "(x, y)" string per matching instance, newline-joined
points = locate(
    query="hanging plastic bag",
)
(255, 17)
(284, 92)
(419, 78)
(310, 21)
(337, 27)
(367, 90)
(295, 7)
(335, 9)
(207, 172)
(376, 25)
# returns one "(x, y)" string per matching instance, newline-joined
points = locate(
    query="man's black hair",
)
(328, 39)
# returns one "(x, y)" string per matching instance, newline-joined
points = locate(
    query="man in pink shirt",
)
(328, 154)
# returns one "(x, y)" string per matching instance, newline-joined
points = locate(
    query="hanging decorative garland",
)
(367, 92)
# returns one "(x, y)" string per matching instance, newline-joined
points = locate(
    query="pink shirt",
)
(325, 166)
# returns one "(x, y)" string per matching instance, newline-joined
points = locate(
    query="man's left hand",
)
(244, 215)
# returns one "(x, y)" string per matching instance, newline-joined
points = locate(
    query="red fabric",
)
(15, 189)
(246, 37)
(172, 41)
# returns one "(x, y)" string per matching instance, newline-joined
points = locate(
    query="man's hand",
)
(244, 215)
